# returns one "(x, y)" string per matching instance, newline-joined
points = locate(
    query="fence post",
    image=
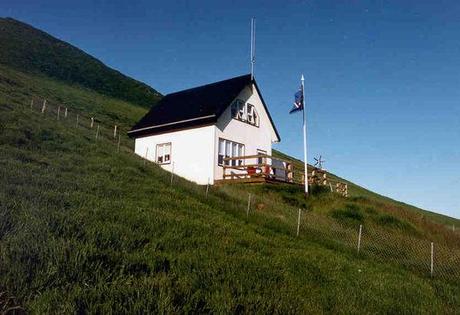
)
(330, 186)
(298, 222)
(97, 132)
(65, 113)
(92, 122)
(146, 153)
(59, 111)
(77, 122)
(172, 173)
(359, 236)
(118, 145)
(44, 106)
(115, 131)
(432, 259)
(249, 205)
(207, 188)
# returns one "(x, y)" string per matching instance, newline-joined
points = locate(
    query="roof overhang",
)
(173, 126)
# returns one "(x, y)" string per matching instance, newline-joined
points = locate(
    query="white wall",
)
(252, 137)
(192, 152)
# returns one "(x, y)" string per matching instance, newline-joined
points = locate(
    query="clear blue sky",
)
(382, 77)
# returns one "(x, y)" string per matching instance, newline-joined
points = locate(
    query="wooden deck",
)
(253, 180)
(263, 168)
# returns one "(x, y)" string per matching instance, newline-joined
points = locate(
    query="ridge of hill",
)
(84, 228)
(28, 49)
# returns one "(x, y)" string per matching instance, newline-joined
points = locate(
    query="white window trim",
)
(254, 115)
(157, 155)
(225, 154)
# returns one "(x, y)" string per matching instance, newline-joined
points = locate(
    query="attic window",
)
(238, 110)
(245, 112)
(252, 116)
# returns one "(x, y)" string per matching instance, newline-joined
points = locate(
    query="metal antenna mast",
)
(253, 46)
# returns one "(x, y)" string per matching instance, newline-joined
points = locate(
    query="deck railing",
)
(264, 167)
(261, 166)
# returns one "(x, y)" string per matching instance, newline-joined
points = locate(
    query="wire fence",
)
(416, 254)
(419, 255)
(115, 133)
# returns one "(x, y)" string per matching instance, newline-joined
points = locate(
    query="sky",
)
(382, 77)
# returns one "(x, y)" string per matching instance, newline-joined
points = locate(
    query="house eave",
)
(173, 126)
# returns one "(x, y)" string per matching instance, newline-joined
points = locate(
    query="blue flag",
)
(298, 101)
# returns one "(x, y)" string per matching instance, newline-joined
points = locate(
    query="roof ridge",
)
(209, 84)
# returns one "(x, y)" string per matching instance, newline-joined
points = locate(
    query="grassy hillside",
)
(28, 49)
(84, 228)
(356, 190)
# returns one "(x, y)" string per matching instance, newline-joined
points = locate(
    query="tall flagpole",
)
(253, 46)
(305, 135)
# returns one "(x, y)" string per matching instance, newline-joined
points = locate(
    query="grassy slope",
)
(356, 190)
(84, 228)
(29, 49)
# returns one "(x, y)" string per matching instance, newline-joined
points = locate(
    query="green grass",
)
(86, 229)
(355, 190)
(31, 50)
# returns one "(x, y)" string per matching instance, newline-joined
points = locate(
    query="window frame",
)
(242, 114)
(261, 160)
(163, 154)
(238, 110)
(229, 144)
(254, 115)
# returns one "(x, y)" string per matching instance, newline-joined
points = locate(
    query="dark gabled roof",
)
(193, 107)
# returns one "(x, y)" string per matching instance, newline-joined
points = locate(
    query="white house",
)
(190, 132)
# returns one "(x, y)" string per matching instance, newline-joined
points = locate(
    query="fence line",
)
(377, 243)
(56, 109)
(113, 131)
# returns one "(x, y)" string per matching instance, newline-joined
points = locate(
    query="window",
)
(234, 152)
(238, 110)
(245, 112)
(225, 151)
(220, 159)
(240, 153)
(163, 153)
(228, 149)
(261, 160)
(252, 116)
